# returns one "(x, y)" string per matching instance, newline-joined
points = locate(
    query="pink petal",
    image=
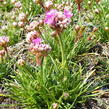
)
(68, 13)
(50, 15)
(37, 41)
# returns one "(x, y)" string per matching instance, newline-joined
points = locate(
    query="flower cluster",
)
(58, 20)
(36, 46)
(39, 49)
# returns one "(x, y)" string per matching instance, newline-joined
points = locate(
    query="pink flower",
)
(37, 46)
(37, 41)
(39, 49)
(4, 41)
(68, 13)
(50, 17)
(58, 19)
(31, 36)
(43, 49)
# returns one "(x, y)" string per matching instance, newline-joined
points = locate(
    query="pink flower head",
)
(58, 19)
(4, 41)
(37, 41)
(40, 48)
(31, 36)
(68, 13)
(50, 17)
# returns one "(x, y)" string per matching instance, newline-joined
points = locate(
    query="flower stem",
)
(5, 48)
(79, 7)
(1, 59)
(61, 48)
(38, 60)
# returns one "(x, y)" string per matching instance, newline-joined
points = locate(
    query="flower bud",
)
(14, 24)
(89, 3)
(2, 53)
(97, 1)
(13, 1)
(18, 4)
(54, 33)
(89, 38)
(55, 106)
(48, 4)
(65, 95)
(78, 1)
(4, 41)
(33, 25)
(36, 1)
(21, 62)
(79, 4)
(21, 24)
(97, 11)
(4, 27)
(106, 28)
(77, 28)
(41, 22)
(13, 17)
(22, 17)
(95, 29)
